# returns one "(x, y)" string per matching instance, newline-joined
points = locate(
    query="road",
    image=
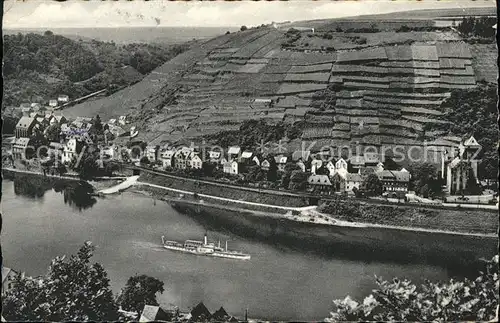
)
(120, 187)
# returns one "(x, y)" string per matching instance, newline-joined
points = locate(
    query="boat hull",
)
(228, 255)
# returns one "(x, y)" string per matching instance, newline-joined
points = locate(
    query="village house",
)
(265, 165)
(246, 157)
(341, 164)
(330, 165)
(355, 163)
(152, 153)
(122, 120)
(231, 167)
(25, 105)
(25, 127)
(233, 152)
(256, 160)
(63, 98)
(214, 156)
(221, 163)
(60, 119)
(8, 279)
(42, 122)
(395, 183)
(281, 162)
(50, 118)
(315, 165)
(196, 162)
(152, 313)
(320, 184)
(167, 158)
(110, 152)
(182, 157)
(353, 182)
(20, 149)
(26, 112)
(71, 150)
(56, 149)
(459, 164)
(301, 158)
(301, 165)
(53, 103)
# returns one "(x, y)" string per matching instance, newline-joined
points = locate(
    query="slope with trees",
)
(41, 66)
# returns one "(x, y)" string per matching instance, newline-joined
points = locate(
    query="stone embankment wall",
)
(224, 190)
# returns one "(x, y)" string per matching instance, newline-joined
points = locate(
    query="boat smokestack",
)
(226, 245)
(205, 239)
(163, 239)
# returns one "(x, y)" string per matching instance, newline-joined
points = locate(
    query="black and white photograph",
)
(250, 161)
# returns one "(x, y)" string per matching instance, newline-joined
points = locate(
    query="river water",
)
(277, 283)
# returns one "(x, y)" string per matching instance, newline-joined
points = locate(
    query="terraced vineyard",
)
(377, 87)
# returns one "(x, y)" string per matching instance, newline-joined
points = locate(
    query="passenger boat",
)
(203, 248)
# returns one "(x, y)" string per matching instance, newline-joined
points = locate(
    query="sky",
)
(94, 13)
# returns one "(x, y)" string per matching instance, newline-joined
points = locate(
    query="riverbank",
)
(381, 215)
(311, 214)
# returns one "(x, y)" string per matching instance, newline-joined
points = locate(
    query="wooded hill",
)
(40, 67)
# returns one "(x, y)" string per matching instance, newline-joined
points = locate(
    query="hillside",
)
(38, 67)
(366, 80)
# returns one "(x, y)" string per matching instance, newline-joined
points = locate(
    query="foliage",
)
(243, 28)
(53, 132)
(73, 290)
(41, 66)
(474, 112)
(139, 291)
(253, 133)
(339, 206)
(401, 300)
(298, 180)
(255, 174)
(144, 160)
(86, 163)
(424, 179)
(9, 124)
(478, 27)
(372, 185)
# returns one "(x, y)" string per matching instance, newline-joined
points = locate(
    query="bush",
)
(401, 300)
(243, 28)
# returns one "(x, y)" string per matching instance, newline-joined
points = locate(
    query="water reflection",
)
(77, 194)
(34, 187)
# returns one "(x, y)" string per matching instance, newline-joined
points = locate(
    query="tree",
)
(72, 290)
(347, 208)
(372, 185)
(87, 165)
(424, 179)
(272, 173)
(401, 300)
(255, 174)
(139, 291)
(144, 161)
(243, 28)
(53, 133)
(298, 180)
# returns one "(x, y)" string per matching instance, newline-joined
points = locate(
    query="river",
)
(277, 283)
